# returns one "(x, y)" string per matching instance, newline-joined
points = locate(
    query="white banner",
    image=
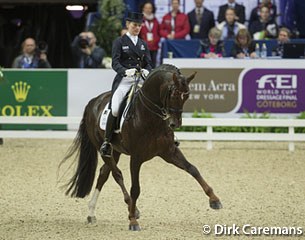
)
(85, 84)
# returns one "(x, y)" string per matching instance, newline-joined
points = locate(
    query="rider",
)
(129, 54)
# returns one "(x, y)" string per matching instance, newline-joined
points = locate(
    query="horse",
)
(156, 110)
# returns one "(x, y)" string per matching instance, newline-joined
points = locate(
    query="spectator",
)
(284, 37)
(264, 28)
(85, 51)
(175, 24)
(243, 46)
(239, 11)
(201, 21)
(255, 13)
(150, 30)
(300, 17)
(123, 31)
(31, 57)
(230, 26)
(211, 47)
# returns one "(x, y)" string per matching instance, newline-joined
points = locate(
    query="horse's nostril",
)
(172, 125)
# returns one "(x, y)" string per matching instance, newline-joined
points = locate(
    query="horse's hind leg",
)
(102, 178)
(176, 158)
(110, 165)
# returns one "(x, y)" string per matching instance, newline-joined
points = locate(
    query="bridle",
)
(165, 111)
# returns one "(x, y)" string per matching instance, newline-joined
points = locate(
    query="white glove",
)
(145, 72)
(130, 72)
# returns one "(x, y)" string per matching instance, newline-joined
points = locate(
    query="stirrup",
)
(106, 149)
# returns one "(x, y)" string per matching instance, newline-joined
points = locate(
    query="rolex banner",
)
(33, 93)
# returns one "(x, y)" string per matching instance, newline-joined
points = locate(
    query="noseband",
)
(166, 111)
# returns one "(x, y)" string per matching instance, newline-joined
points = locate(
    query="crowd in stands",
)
(197, 24)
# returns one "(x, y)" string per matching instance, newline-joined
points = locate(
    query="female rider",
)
(129, 54)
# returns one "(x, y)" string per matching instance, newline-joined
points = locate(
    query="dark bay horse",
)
(148, 132)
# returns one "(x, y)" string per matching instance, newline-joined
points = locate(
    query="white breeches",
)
(120, 93)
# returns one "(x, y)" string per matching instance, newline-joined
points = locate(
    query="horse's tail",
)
(81, 183)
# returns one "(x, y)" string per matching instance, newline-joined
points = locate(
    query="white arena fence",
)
(208, 136)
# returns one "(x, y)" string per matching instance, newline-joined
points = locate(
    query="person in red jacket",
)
(150, 30)
(175, 24)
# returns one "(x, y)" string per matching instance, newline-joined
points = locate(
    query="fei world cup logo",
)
(278, 81)
(21, 90)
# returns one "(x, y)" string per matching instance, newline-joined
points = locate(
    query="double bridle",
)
(165, 111)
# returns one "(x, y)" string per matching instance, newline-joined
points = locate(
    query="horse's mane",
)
(161, 70)
(168, 68)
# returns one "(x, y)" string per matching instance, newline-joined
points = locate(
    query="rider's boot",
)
(106, 148)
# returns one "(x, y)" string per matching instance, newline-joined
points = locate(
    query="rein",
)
(163, 112)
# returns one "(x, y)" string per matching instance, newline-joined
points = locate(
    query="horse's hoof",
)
(134, 227)
(91, 220)
(137, 214)
(216, 205)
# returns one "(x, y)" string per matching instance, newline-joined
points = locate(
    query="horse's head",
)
(174, 95)
(165, 92)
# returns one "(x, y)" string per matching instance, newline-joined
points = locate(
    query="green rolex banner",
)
(40, 93)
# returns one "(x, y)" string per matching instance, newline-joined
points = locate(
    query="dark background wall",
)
(51, 23)
(44, 20)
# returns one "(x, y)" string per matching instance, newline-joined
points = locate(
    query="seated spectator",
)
(264, 28)
(230, 26)
(150, 30)
(243, 46)
(211, 47)
(201, 21)
(255, 13)
(284, 37)
(239, 11)
(31, 57)
(85, 51)
(175, 24)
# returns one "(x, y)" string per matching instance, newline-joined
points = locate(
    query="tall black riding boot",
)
(106, 148)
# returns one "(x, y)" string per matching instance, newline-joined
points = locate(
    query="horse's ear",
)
(175, 79)
(190, 78)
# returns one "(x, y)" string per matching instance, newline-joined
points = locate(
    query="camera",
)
(83, 43)
(42, 47)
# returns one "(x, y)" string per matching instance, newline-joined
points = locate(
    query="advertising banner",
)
(214, 91)
(272, 90)
(33, 93)
(233, 87)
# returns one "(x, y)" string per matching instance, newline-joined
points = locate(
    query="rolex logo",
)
(21, 90)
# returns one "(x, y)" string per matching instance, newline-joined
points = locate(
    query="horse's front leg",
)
(175, 156)
(135, 166)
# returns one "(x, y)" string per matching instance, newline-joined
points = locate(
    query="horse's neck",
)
(151, 90)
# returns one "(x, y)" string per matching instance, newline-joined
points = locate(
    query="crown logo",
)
(21, 90)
